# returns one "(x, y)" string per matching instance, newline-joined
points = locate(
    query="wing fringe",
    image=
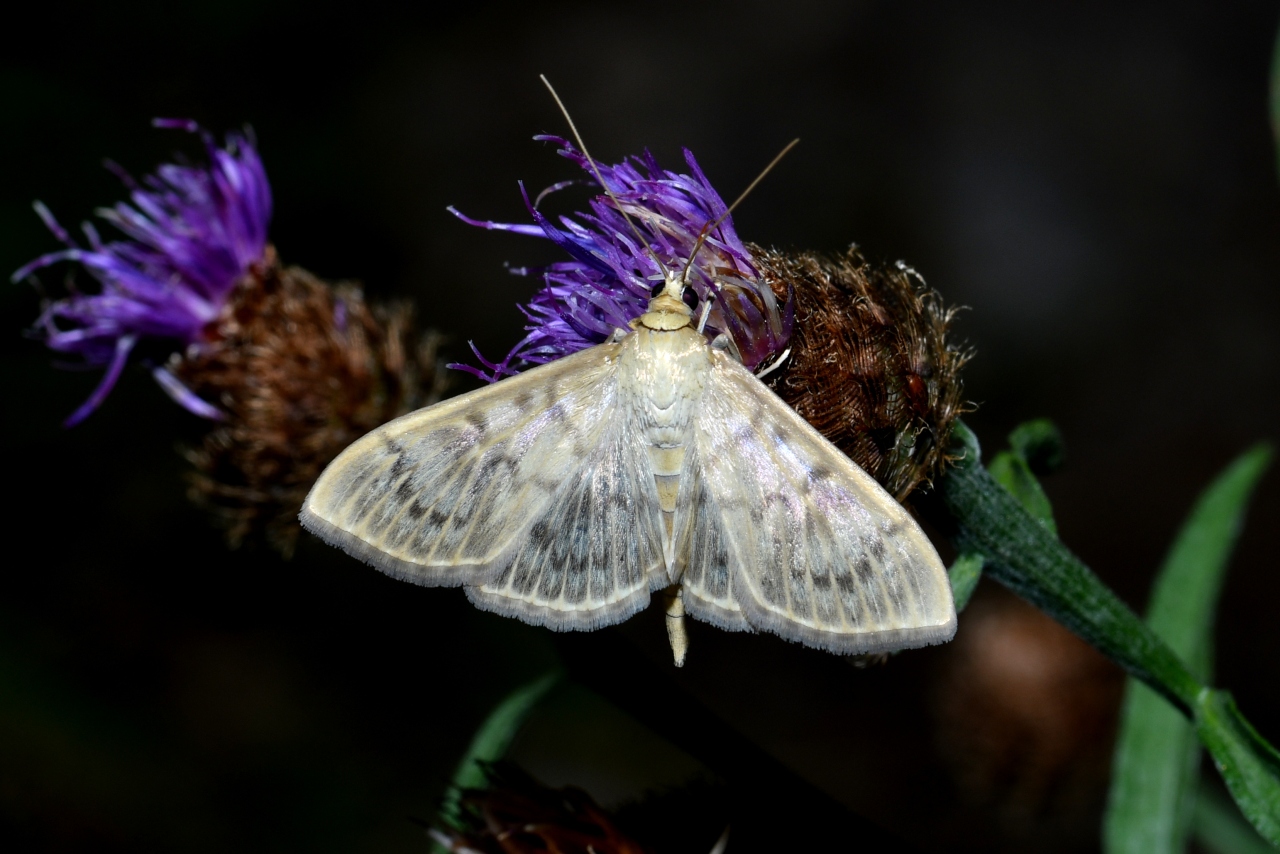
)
(428, 576)
(558, 619)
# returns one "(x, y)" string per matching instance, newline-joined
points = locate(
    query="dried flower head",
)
(612, 275)
(515, 814)
(193, 232)
(870, 363)
(293, 369)
(302, 369)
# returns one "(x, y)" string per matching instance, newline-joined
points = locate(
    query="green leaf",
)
(1157, 755)
(1011, 471)
(492, 739)
(1153, 769)
(1248, 764)
(1219, 829)
(965, 573)
(1040, 444)
(1185, 595)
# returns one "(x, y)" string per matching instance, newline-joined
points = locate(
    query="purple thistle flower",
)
(609, 281)
(193, 232)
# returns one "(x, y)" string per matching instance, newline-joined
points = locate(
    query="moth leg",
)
(774, 365)
(676, 632)
(724, 343)
(706, 311)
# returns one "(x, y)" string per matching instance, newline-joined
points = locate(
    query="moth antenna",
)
(702, 236)
(772, 163)
(697, 246)
(596, 169)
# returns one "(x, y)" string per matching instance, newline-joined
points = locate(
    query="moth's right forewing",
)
(816, 550)
(444, 495)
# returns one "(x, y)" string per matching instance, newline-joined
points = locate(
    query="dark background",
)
(1097, 183)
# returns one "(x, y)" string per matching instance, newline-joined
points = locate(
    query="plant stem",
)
(1025, 556)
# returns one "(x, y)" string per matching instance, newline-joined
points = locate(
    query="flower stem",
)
(1022, 553)
(1027, 557)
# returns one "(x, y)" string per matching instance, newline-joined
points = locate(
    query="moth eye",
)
(657, 289)
(690, 298)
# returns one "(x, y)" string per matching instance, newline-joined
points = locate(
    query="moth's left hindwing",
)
(528, 491)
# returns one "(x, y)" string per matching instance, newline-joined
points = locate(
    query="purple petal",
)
(608, 281)
(123, 345)
(531, 230)
(189, 125)
(46, 216)
(190, 234)
(185, 397)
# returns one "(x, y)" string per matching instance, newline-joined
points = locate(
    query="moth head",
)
(668, 310)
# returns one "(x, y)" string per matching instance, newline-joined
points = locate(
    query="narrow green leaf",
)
(492, 739)
(1040, 444)
(1248, 764)
(1185, 596)
(1157, 755)
(1153, 769)
(1011, 471)
(965, 573)
(1219, 829)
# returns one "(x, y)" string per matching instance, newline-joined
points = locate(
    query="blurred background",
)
(1096, 182)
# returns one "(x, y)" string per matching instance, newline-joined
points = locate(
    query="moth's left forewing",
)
(534, 493)
(446, 495)
(818, 552)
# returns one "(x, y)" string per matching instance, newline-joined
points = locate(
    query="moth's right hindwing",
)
(459, 492)
(708, 578)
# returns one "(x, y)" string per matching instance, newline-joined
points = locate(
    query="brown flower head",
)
(515, 814)
(871, 364)
(301, 369)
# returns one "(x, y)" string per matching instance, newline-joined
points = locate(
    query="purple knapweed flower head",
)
(612, 275)
(192, 232)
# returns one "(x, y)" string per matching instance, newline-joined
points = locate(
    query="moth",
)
(567, 495)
